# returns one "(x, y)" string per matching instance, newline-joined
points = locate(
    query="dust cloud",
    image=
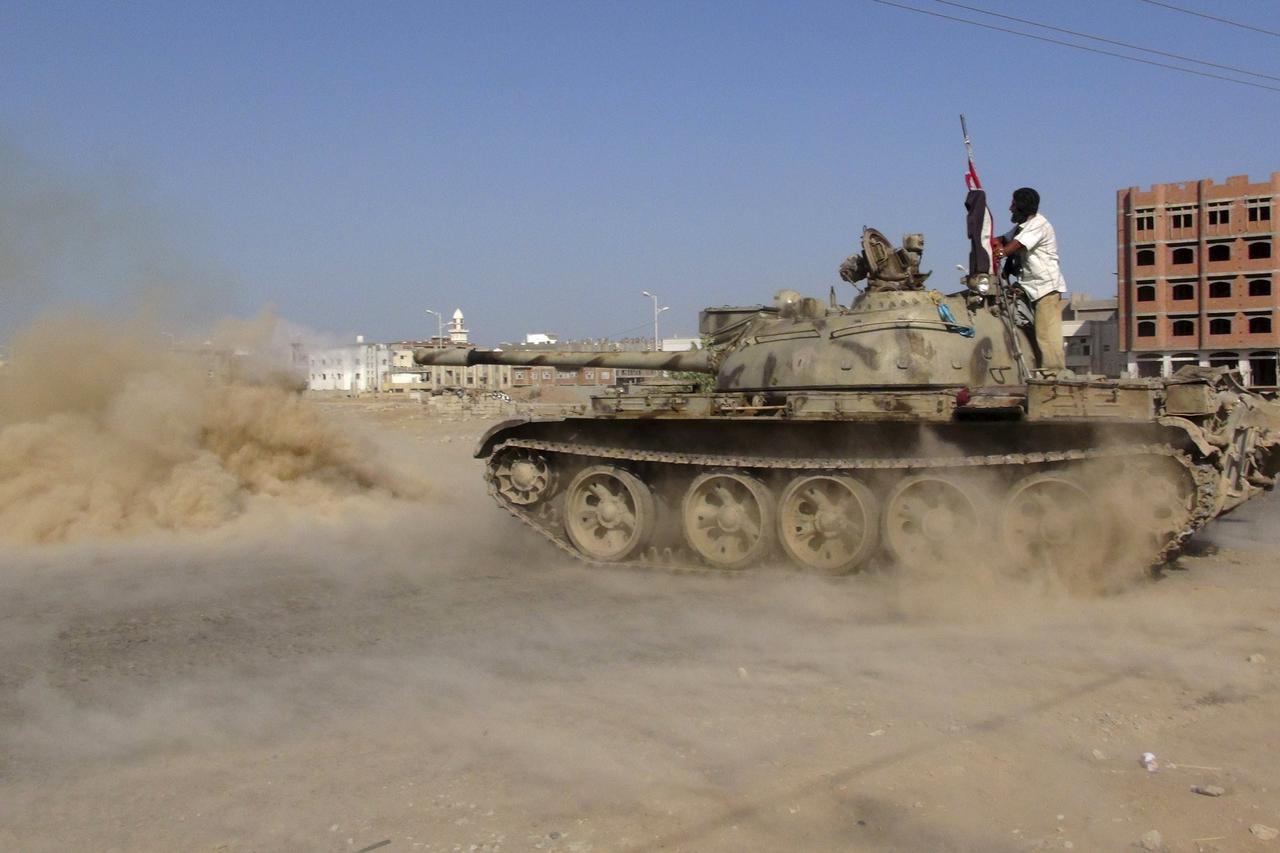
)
(113, 432)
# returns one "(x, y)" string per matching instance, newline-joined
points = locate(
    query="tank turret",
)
(895, 333)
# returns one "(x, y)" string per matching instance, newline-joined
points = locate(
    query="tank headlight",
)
(979, 282)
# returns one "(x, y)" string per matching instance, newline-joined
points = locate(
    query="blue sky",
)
(539, 164)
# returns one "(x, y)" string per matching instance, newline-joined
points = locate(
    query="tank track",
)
(546, 522)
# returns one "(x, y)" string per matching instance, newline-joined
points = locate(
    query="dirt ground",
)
(420, 674)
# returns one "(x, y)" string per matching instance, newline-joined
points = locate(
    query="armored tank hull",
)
(906, 429)
(1067, 478)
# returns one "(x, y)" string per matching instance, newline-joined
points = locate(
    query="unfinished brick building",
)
(1197, 276)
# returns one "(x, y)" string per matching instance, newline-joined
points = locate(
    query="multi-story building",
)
(1090, 335)
(1197, 276)
(357, 368)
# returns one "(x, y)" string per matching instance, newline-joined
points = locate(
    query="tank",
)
(906, 429)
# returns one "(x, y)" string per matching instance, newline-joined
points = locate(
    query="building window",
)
(1181, 220)
(1262, 369)
(1146, 293)
(604, 376)
(1146, 328)
(1184, 255)
(589, 375)
(1219, 290)
(1259, 249)
(1144, 222)
(1149, 366)
(1220, 325)
(1259, 325)
(1224, 359)
(1184, 291)
(1220, 252)
(1183, 328)
(546, 374)
(1146, 257)
(1259, 209)
(1259, 287)
(1219, 216)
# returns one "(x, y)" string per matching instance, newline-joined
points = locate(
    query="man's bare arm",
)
(1008, 248)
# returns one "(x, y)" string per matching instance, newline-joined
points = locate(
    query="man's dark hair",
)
(1026, 204)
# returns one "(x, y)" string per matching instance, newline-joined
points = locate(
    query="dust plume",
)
(1013, 537)
(109, 431)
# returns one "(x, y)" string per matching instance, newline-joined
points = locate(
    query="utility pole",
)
(657, 341)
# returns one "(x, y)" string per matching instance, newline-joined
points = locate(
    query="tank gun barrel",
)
(693, 361)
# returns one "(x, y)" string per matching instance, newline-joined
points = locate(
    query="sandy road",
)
(422, 673)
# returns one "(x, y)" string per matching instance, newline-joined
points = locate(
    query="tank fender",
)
(1197, 435)
(1265, 414)
(485, 445)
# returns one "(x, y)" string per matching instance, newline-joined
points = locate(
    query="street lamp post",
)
(435, 372)
(656, 311)
(439, 328)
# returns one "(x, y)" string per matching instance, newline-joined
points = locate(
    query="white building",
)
(358, 368)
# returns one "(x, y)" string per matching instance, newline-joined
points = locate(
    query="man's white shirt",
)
(1040, 272)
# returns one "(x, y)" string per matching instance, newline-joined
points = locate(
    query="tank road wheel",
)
(828, 523)
(609, 513)
(728, 519)
(524, 477)
(1053, 522)
(1159, 494)
(930, 520)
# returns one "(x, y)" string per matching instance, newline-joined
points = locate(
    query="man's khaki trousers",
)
(1049, 331)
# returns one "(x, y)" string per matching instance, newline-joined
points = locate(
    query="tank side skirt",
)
(1204, 476)
(804, 441)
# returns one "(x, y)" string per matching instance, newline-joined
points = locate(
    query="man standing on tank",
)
(1034, 243)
